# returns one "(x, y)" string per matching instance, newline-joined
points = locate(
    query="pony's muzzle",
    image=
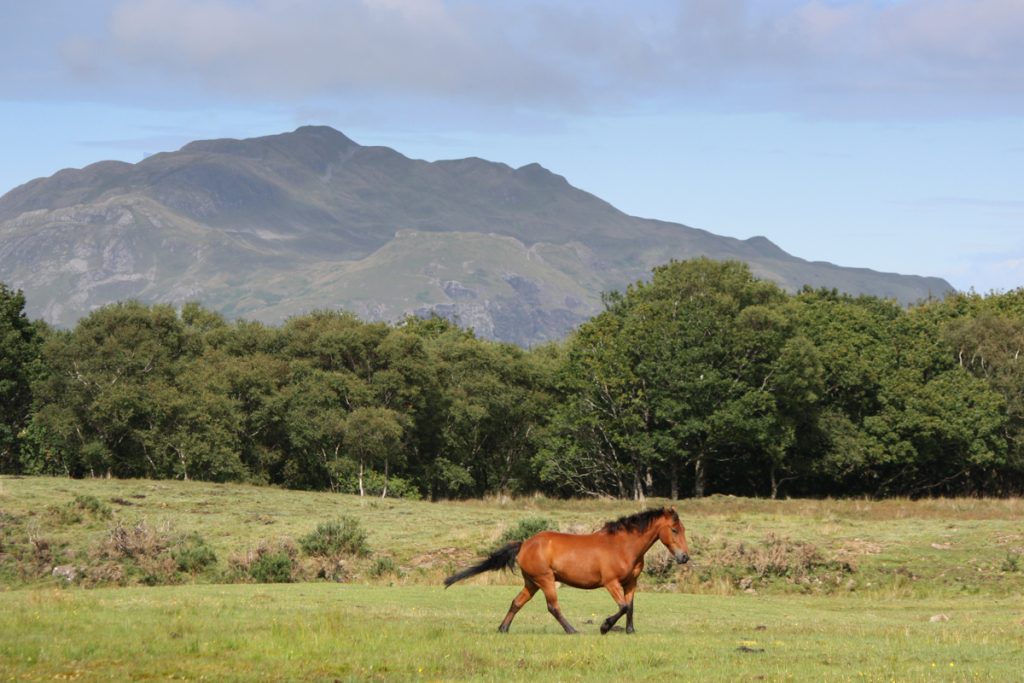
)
(682, 558)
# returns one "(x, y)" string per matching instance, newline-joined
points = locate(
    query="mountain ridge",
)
(272, 226)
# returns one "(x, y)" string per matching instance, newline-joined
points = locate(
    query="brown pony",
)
(612, 557)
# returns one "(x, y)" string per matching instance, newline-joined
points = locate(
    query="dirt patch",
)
(850, 551)
(442, 558)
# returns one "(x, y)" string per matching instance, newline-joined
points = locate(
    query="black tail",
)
(502, 558)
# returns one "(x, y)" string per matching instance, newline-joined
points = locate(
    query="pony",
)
(612, 557)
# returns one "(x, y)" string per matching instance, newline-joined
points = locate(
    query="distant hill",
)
(269, 227)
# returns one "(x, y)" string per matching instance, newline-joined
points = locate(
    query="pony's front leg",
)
(630, 595)
(619, 596)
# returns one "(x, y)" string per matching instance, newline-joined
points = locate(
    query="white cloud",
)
(929, 58)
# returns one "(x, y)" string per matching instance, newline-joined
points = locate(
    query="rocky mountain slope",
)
(270, 227)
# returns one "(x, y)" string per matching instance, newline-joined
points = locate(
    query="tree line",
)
(703, 380)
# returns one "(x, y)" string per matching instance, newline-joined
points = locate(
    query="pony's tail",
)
(502, 558)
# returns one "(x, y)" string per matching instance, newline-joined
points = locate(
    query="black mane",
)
(637, 523)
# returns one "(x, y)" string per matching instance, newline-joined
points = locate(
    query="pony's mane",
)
(638, 522)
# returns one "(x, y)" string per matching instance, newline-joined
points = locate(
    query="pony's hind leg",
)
(547, 584)
(517, 604)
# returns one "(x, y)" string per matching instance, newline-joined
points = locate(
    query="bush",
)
(94, 506)
(266, 563)
(65, 515)
(525, 528)
(774, 559)
(193, 555)
(72, 512)
(661, 568)
(384, 565)
(343, 536)
(273, 567)
(135, 542)
(142, 553)
(328, 568)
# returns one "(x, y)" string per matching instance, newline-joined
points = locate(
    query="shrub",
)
(525, 528)
(343, 536)
(94, 506)
(774, 559)
(65, 515)
(135, 542)
(266, 563)
(661, 568)
(273, 567)
(193, 555)
(329, 568)
(72, 513)
(384, 565)
(142, 552)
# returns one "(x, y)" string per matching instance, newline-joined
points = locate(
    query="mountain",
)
(269, 227)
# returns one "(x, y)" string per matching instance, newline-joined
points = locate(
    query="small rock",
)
(939, 617)
(942, 546)
(65, 571)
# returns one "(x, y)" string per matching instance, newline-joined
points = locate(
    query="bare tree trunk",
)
(384, 493)
(674, 476)
(362, 492)
(775, 484)
(699, 477)
(184, 463)
(638, 486)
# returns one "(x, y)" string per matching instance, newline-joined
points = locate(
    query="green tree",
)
(124, 395)
(990, 345)
(373, 436)
(675, 373)
(495, 397)
(20, 341)
(316, 406)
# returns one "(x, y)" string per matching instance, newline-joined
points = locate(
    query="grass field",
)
(356, 632)
(779, 590)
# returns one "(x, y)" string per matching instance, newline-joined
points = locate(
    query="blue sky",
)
(871, 133)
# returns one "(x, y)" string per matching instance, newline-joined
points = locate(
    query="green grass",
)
(323, 632)
(829, 590)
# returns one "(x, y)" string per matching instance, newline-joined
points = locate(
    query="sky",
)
(886, 134)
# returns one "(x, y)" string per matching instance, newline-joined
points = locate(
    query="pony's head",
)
(664, 522)
(672, 534)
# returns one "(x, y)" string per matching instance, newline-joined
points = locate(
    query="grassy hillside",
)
(895, 547)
